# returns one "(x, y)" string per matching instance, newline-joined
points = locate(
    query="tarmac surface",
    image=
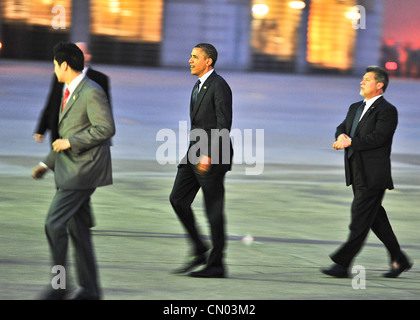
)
(287, 205)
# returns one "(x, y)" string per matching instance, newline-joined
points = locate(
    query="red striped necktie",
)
(66, 95)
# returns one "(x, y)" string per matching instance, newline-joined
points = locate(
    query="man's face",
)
(199, 63)
(369, 87)
(59, 70)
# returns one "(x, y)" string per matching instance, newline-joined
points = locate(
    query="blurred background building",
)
(340, 36)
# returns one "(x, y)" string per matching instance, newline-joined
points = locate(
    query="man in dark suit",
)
(366, 135)
(48, 118)
(81, 161)
(204, 166)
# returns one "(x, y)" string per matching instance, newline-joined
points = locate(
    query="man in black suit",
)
(366, 135)
(48, 119)
(204, 166)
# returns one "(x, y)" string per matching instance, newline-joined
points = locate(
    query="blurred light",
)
(391, 66)
(297, 4)
(353, 14)
(1, 45)
(260, 10)
(114, 6)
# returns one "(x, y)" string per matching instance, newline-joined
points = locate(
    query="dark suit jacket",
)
(212, 116)
(48, 119)
(88, 123)
(372, 143)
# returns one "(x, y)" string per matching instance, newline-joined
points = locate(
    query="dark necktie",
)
(195, 92)
(354, 125)
(66, 96)
(357, 118)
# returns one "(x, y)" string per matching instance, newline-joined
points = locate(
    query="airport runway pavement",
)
(282, 223)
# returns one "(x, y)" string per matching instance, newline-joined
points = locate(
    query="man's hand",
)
(203, 165)
(60, 145)
(343, 141)
(38, 137)
(39, 172)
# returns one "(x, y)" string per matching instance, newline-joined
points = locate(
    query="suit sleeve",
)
(42, 124)
(102, 125)
(43, 121)
(49, 160)
(107, 90)
(103, 80)
(223, 110)
(342, 127)
(223, 105)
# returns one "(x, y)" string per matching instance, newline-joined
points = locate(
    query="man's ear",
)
(64, 65)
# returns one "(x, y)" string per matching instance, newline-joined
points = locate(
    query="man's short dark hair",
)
(70, 53)
(380, 76)
(209, 50)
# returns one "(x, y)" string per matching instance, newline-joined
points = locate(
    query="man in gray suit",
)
(81, 161)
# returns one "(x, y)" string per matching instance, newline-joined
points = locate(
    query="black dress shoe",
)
(195, 261)
(212, 272)
(85, 296)
(54, 294)
(396, 271)
(336, 271)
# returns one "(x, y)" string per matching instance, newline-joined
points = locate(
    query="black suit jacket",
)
(371, 143)
(212, 116)
(48, 119)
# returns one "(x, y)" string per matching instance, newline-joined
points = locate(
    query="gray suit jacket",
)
(88, 123)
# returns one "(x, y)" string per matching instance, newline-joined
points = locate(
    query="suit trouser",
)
(186, 185)
(367, 213)
(70, 214)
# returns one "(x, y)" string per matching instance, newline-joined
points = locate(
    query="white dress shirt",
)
(204, 78)
(73, 85)
(369, 104)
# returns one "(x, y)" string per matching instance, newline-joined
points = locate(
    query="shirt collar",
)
(205, 77)
(371, 101)
(85, 70)
(76, 81)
